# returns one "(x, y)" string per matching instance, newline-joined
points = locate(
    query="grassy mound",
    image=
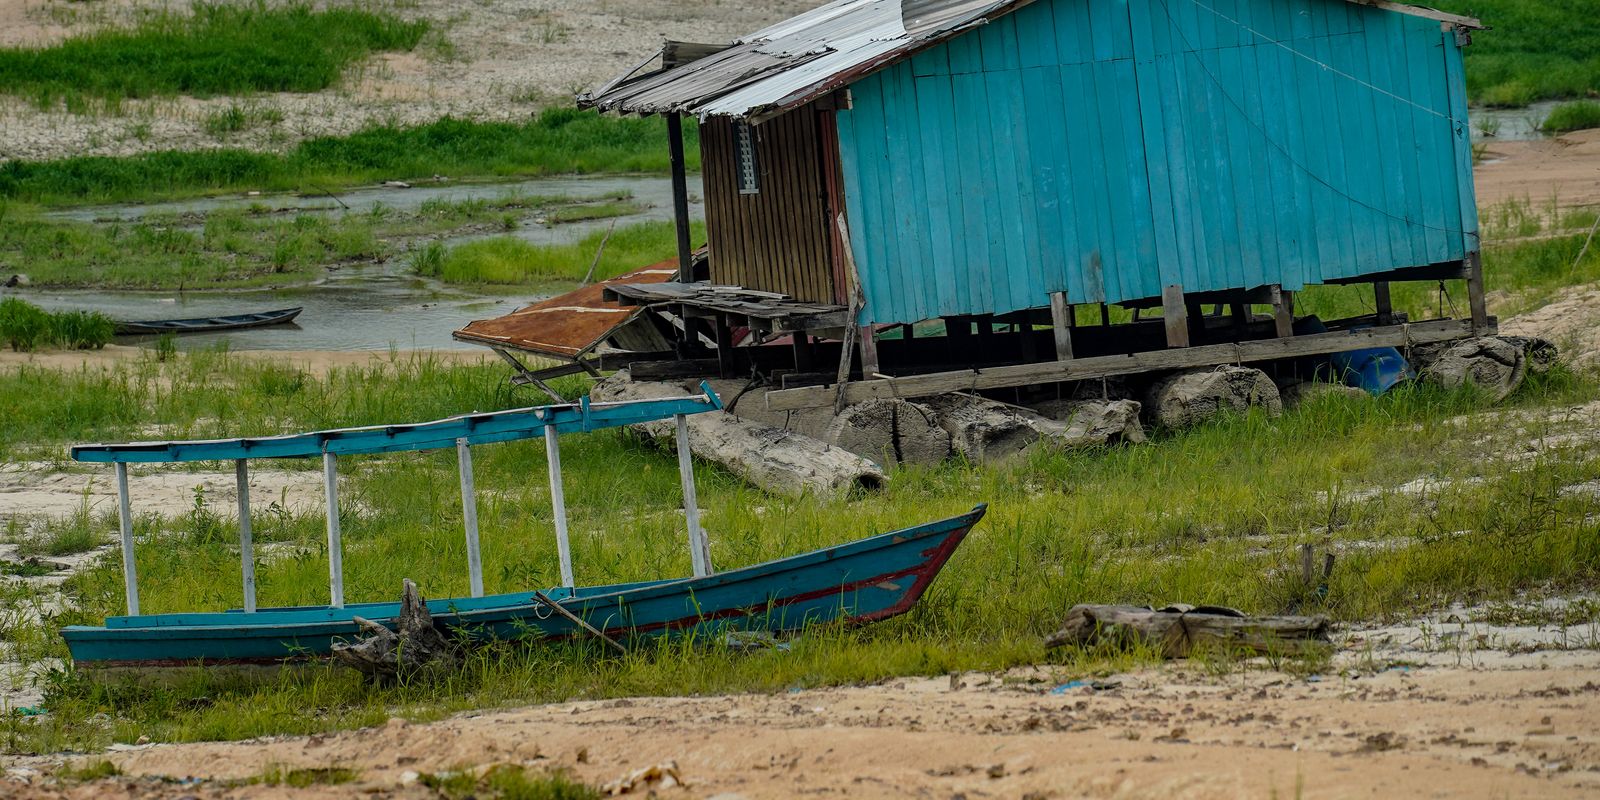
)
(507, 260)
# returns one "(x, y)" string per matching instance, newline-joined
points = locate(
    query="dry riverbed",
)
(1444, 707)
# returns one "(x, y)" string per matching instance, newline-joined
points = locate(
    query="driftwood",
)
(890, 432)
(1176, 631)
(386, 655)
(778, 461)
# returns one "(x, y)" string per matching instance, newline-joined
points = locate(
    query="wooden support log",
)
(1190, 398)
(985, 430)
(778, 461)
(890, 432)
(1178, 631)
(1476, 301)
(1090, 423)
(386, 655)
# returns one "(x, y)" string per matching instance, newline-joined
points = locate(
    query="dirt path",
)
(1424, 732)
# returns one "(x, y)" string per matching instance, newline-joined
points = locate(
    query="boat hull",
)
(861, 581)
(233, 322)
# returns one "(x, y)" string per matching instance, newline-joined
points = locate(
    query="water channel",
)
(375, 307)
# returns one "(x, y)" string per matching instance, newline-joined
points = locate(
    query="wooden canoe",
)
(861, 581)
(260, 319)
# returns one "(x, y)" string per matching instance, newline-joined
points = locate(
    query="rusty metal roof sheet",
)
(802, 58)
(569, 325)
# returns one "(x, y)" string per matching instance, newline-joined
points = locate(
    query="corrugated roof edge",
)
(848, 74)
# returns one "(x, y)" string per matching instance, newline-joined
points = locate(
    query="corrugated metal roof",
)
(568, 325)
(799, 59)
(802, 58)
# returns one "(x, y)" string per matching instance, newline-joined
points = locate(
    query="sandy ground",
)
(1573, 323)
(1177, 732)
(492, 60)
(1564, 169)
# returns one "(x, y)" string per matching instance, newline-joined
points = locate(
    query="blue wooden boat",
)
(229, 322)
(857, 582)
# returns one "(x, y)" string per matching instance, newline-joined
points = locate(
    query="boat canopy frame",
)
(461, 432)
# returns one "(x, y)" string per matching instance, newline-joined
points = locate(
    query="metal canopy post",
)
(247, 554)
(130, 577)
(558, 505)
(330, 482)
(469, 516)
(699, 548)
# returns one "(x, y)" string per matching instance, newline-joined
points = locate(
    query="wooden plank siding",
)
(779, 239)
(1109, 148)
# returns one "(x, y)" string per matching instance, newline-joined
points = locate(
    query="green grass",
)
(510, 261)
(1573, 116)
(216, 49)
(24, 326)
(1209, 515)
(249, 247)
(1535, 50)
(558, 141)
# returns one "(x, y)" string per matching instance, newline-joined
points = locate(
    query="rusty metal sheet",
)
(568, 325)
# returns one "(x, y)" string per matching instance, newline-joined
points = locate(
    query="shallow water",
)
(1510, 124)
(367, 308)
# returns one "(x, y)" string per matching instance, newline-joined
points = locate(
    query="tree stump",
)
(1189, 398)
(386, 655)
(890, 432)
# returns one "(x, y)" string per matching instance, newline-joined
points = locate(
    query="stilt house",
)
(995, 164)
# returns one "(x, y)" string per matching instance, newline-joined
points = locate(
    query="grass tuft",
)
(1573, 116)
(24, 326)
(216, 49)
(557, 141)
(511, 261)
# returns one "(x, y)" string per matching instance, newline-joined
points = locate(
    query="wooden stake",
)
(558, 505)
(469, 517)
(699, 547)
(130, 575)
(247, 553)
(330, 487)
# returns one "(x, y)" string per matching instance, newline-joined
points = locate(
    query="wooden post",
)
(699, 547)
(330, 486)
(869, 352)
(1475, 298)
(1176, 314)
(680, 196)
(1061, 318)
(1282, 311)
(724, 337)
(247, 552)
(1382, 302)
(800, 343)
(1241, 310)
(558, 505)
(469, 516)
(130, 575)
(1105, 315)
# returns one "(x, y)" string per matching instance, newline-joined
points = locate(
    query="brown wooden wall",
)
(779, 239)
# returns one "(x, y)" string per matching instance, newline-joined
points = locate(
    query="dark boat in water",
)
(232, 322)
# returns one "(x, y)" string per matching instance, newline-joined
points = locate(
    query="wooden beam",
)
(1061, 318)
(1104, 366)
(1176, 314)
(1283, 311)
(1475, 298)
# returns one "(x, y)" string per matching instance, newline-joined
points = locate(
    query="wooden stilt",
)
(247, 553)
(469, 517)
(1282, 311)
(1061, 318)
(130, 574)
(1176, 314)
(330, 487)
(558, 505)
(1382, 302)
(680, 195)
(1475, 297)
(699, 547)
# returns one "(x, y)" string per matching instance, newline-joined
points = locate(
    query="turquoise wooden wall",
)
(1107, 148)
